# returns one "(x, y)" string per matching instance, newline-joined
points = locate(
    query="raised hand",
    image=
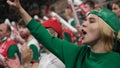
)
(14, 3)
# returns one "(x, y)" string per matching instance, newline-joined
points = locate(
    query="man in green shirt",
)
(99, 32)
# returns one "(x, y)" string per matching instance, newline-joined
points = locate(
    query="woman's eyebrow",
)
(91, 18)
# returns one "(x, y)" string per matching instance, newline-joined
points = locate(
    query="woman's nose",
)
(84, 24)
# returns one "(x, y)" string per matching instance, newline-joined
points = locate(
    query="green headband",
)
(109, 17)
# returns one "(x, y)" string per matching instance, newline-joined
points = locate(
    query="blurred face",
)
(116, 9)
(68, 12)
(35, 12)
(90, 30)
(23, 31)
(87, 7)
(3, 30)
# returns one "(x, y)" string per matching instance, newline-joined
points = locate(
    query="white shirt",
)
(50, 61)
(33, 41)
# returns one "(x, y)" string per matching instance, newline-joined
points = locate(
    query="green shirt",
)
(12, 50)
(73, 56)
(35, 52)
(34, 46)
(67, 37)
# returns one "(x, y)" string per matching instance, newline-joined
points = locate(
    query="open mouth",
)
(83, 34)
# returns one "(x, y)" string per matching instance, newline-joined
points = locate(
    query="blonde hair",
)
(107, 34)
(118, 36)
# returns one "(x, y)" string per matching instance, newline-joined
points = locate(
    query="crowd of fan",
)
(34, 55)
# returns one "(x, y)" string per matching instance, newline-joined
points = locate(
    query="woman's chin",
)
(85, 42)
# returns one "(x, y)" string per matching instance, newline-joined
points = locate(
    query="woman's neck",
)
(98, 47)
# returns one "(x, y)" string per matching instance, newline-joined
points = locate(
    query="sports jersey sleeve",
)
(35, 52)
(12, 50)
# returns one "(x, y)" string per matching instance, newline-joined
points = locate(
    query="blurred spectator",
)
(13, 63)
(49, 60)
(59, 6)
(13, 15)
(89, 5)
(99, 3)
(27, 55)
(69, 16)
(34, 9)
(116, 7)
(8, 47)
(30, 41)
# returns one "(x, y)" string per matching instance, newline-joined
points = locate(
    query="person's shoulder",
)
(11, 42)
(115, 54)
(33, 41)
(12, 47)
(112, 60)
(114, 57)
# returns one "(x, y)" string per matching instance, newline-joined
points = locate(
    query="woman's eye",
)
(92, 20)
